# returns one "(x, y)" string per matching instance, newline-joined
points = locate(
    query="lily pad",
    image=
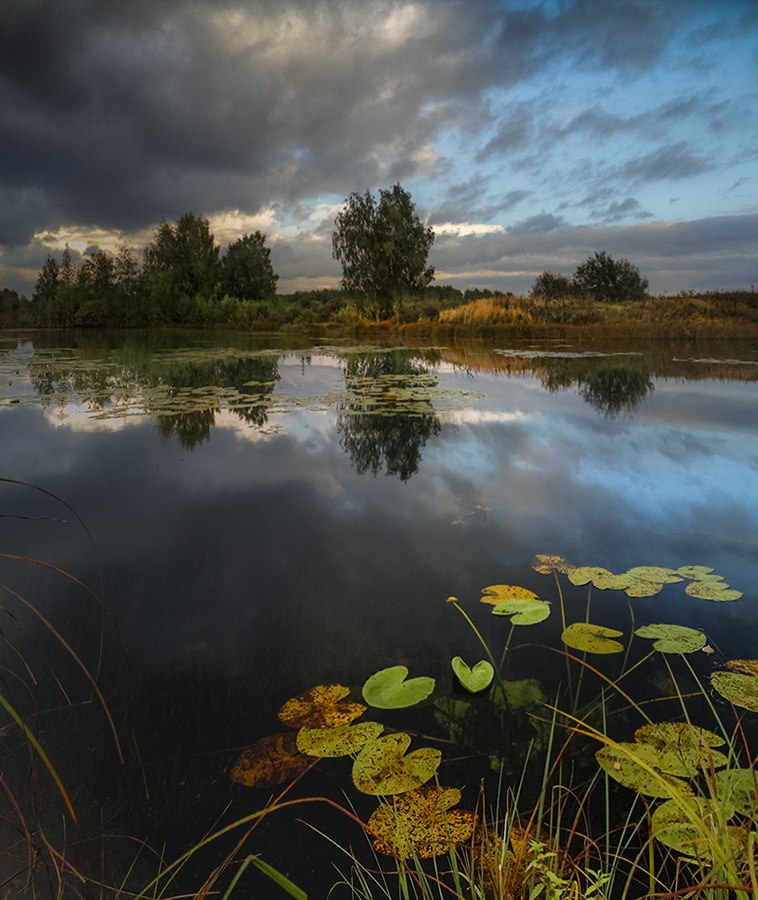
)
(499, 593)
(518, 694)
(718, 591)
(681, 748)
(271, 761)
(639, 587)
(523, 612)
(598, 576)
(473, 679)
(635, 766)
(383, 767)
(746, 666)
(320, 707)
(673, 638)
(392, 689)
(693, 828)
(737, 688)
(345, 740)
(696, 572)
(546, 564)
(421, 823)
(738, 788)
(656, 574)
(591, 638)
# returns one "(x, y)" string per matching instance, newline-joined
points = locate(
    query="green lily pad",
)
(635, 766)
(518, 694)
(599, 577)
(591, 638)
(739, 689)
(639, 587)
(421, 823)
(719, 591)
(681, 748)
(473, 679)
(656, 574)
(345, 740)
(673, 638)
(383, 766)
(499, 593)
(696, 572)
(692, 827)
(389, 689)
(523, 612)
(738, 788)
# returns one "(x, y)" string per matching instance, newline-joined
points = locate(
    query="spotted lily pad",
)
(640, 587)
(599, 577)
(746, 666)
(383, 766)
(673, 638)
(718, 591)
(635, 766)
(696, 572)
(738, 788)
(693, 826)
(473, 679)
(392, 689)
(345, 740)
(738, 687)
(591, 638)
(546, 564)
(499, 593)
(523, 612)
(681, 748)
(655, 574)
(421, 823)
(320, 707)
(271, 761)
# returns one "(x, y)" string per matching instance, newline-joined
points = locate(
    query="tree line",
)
(183, 277)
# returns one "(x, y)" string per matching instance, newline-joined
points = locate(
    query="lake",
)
(215, 524)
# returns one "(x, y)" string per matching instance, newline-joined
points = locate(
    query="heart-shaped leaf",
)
(421, 823)
(523, 612)
(320, 707)
(473, 679)
(591, 638)
(383, 767)
(389, 689)
(345, 740)
(673, 638)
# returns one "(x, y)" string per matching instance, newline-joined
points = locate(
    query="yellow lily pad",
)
(590, 574)
(546, 564)
(383, 766)
(673, 638)
(523, 612)
(639, 587)
(320, 707)
(696, 572)
(746, 666)
(345, 740)
(591, 638)
(718, 591)
(271, 761)
(421, 823)
(499, 593)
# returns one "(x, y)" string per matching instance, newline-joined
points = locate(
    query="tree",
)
(550, 286)
(47, 281)
(246, 270)
(610, 280)
(181, 264)
(382, 247)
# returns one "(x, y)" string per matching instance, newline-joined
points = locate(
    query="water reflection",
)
(615, 391)
(388, 416)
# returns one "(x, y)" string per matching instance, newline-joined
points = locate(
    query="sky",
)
(529, 134)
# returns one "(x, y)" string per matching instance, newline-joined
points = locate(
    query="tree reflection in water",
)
(388, 416)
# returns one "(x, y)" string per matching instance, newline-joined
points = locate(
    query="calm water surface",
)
(259, 515)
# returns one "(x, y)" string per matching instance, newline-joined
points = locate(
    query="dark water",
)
(259, 515)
